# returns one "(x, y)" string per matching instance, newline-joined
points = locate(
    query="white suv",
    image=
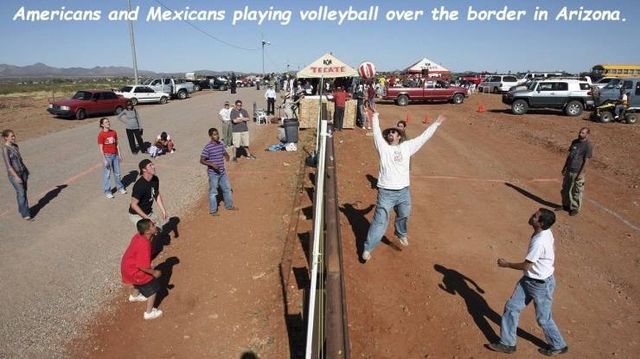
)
(570, 95)
(499, 83)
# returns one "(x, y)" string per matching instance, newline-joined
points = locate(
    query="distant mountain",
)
(39, 70)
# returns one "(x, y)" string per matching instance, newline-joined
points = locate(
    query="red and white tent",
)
(435, 70)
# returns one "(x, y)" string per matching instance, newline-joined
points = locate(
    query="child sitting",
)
(163, 144)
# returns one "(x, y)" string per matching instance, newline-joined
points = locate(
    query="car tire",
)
(134, 101)
(496, 90)
(182, 94)
(519, 107)
(631, 118)
(163, 100)
(573, 108)
(402, 100)
(606, 116)
(458, 99)
(118, 110)
(196, 88)
(81, 114)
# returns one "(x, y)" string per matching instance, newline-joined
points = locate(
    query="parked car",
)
(612, 90)
(218, 83)
(431, 90)
(570, 95)
(142, 94)
(175, 87)
(88, 102)
(605, 81)
(499, 83)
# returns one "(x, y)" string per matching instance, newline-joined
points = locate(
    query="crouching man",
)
(136, 269)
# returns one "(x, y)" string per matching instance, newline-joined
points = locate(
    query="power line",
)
(206, 33)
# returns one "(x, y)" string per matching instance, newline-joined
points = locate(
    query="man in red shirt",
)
(136, 269)
(340, 98)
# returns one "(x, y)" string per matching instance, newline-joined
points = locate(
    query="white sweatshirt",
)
(394, 160)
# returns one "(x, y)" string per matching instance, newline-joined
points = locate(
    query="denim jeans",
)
(222, 180)
(526, 290)
(113, 163)
(398, 200)
(21, 194)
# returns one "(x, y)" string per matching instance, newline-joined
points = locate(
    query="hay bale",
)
(309, 108)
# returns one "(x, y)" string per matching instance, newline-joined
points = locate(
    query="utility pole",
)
(264, 43)
(133, 47)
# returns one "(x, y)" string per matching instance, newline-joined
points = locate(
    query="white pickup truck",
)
(176, 88)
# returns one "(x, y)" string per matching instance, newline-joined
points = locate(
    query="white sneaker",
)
(404, 240)
(366, 255)
(122, 191)
(137, 298)
(155, 313)
(109, 195)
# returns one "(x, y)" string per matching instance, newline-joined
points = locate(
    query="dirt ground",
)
(474, 186)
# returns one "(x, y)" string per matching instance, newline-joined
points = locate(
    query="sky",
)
(218, 44)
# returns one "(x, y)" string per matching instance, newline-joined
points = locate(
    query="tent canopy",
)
(425, 63)
(327, 66)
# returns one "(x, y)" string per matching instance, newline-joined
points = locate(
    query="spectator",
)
(340, 99)
(393, 181)
(239, 118)
(225, 118)
(17, 171)
(213, 156)
(233, 84)
(145, 191)
(537, 285)
(111, 157)
(134, 128)
(136, 269)
(573, 171)
(623, 103)
(270, 95)
(163, 144)
(371, 96)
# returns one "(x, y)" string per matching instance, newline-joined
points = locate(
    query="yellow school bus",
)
(609, 70)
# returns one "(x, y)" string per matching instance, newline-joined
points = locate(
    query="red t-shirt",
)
(137, 255)
(340, 98)
(109, 142)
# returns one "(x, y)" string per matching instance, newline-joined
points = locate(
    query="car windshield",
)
(615, 83)
(147, 82)
(82, 95)
(126, 89)
(532, 85)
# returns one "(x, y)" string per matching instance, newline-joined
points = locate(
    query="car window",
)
(96, 96)
(546, 86)
(510, 79)
(628, 85)
(126, 89)
(638, 88)
(585, 86)
(561, 86)
(109, 96)
(167, 81)
(140, 90)
(613, 84)
(146, 89)
(82, 95)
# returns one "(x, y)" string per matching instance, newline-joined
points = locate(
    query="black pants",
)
(271, 103)
(133, 136)
(338, 117)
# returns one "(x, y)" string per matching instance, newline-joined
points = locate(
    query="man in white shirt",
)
(270, 95)
(393, 181)
(537, 284)
(225, 118)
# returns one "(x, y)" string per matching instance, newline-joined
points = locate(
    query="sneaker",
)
(155, 313)
(366, 255)
(122, 191)
(403, 240)
(28, 218)
(573, 212)
(251, 157)
(214, 214)
(234, 159)
(234, 208)
(108, 195)
(499, 347)
(551, 352)
(137, 298)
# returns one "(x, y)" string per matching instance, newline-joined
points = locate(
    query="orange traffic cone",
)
(481, 108)
(426, 120)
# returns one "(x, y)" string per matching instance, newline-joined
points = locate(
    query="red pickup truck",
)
(431, 90)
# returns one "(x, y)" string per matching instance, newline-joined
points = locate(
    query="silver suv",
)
(570, 95)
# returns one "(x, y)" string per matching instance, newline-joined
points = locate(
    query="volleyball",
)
(367, 70)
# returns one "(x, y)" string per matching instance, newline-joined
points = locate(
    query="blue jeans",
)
(398, 200)
(113, 163)
(222, 180)
(526, 290)
(21, 194)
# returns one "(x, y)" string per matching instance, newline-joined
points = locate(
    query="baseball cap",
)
(143, 164)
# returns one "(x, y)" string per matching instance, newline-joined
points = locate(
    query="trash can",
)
(291, 130)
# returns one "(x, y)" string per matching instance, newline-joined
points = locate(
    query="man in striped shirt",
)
(213, 156)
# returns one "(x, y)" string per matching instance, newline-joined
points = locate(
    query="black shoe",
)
(551, 352)
(499, 347)
(573, 212)
(234, 159)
